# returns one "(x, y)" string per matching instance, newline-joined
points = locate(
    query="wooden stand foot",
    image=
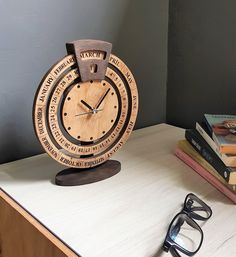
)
(75, 177)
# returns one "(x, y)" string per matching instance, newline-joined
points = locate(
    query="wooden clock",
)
(84, 111)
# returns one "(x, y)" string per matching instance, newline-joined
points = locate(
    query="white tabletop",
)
(128, 214)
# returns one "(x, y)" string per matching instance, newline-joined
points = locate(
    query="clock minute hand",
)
(91, 112)
(87, 105)
(103, 98)
(83, 113)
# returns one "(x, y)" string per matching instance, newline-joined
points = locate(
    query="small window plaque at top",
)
(92, 57)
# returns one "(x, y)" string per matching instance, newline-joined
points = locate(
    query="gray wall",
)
(33, 36)
(142, 42)
(201, 60)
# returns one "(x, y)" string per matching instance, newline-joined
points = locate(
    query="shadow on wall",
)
(137, 29)
(33, 40)
(9, 147)
(142, 44)
(12, 142)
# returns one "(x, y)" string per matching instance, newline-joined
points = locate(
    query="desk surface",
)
(128, 214)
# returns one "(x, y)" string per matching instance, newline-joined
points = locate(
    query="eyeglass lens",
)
(185, 233)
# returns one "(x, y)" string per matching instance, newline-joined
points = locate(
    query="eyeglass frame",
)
(169, 244)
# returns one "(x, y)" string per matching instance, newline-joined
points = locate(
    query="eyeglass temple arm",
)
(174, 252)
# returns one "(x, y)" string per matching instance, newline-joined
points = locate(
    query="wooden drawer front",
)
(23, 236)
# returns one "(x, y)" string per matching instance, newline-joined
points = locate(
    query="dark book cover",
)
(206, 128)
(201, 146)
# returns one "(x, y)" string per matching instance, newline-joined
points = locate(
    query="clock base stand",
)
(76, 177)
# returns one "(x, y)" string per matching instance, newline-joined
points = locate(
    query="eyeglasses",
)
(184, 234)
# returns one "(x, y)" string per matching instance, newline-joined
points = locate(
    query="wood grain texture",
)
(108, 138)
(80, 121)
(129, 213)
(90, 52)
(22, 236)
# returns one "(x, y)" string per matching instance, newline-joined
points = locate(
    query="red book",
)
(205, 174)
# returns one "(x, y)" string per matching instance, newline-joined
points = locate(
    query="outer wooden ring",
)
(62, 74)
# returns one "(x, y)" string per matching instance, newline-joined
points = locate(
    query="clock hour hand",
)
(87, 105)
(103, 98)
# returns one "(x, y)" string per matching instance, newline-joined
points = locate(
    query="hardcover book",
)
(200, 145)
(191, 152)
(205, 174)
(223, 129)
(228, 159)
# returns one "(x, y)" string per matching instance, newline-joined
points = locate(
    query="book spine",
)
(192, 153)
(195, 139)
(220, 133)
(214, 137)
(205, 174)
(223, 148)
(208, 139)
(207, 124)
(228, 159)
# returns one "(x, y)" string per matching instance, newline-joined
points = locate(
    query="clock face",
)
(79, 123)
(90, 110)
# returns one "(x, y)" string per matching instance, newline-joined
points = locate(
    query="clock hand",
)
(92, 112)
(103, 98)
(87, 105)
(83, 113)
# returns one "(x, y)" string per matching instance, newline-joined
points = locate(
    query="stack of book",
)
(210, 150)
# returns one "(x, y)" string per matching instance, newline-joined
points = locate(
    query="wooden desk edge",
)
(52, 240)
